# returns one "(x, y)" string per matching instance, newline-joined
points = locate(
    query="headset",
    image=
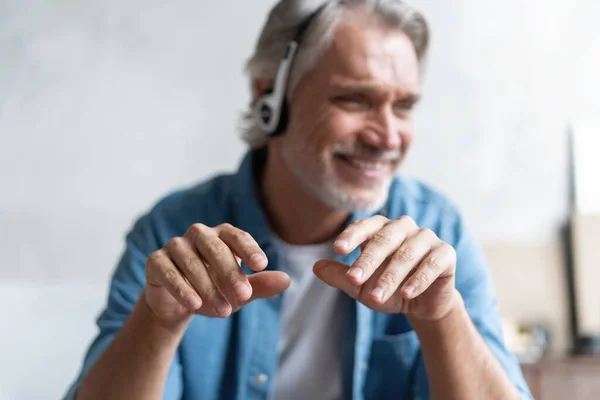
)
(271, 110)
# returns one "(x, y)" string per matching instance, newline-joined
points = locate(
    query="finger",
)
(264, 285)
(160, 271)
(408, 256)
(268, 283)
(439, 262)
(333, 273)
(243, 245)
(380, 247)
(357, 232)
(222, 265)
(188, 261)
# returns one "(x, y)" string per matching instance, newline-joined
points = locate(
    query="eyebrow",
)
(374, 88)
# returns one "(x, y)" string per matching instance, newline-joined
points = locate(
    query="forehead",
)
(365, 52)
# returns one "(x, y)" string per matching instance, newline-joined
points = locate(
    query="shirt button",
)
(262, 378)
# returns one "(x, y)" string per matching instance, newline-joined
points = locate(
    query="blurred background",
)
(106, 106)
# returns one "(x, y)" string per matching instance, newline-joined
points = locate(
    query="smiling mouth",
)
(377, 166)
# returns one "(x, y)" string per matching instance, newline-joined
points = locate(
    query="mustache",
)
(359, 149)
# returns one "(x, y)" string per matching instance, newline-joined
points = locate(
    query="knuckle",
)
(241, 236)
(197, 229)
(448, 249)
(225, 226)
(427, 233)
(388, 278)
(381, 239)
(366, 259)
(192, 265)
(170, 276)
(432, 263)
(420, 278)
(383, 219)
(181, 291)
(214, 247)
(153, 259)
(174, 244)
(405, 219)
(405, 254)
(232, 276)
(212, 294)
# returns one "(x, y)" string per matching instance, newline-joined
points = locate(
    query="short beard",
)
(331, 193)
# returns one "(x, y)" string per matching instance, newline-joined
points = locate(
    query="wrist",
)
(456, 307)
(175, 327)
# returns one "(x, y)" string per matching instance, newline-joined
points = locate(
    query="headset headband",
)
(271, 109)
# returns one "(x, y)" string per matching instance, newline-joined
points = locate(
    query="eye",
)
(403, 108)
(353, 102)
(406, 105)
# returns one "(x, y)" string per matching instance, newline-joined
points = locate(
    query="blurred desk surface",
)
(560, 378)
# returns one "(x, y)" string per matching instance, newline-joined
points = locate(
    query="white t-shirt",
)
(309, 345)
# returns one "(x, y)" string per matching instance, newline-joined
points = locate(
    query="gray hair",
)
(282, 24)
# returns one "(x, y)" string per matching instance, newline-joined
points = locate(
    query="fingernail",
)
(356, 273)
(377, 293)
(343, 243)
(223, 310)
(195, 303)
(257, 259)
(409, 290)
(242, 290)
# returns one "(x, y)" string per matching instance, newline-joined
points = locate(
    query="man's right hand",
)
(200, 273)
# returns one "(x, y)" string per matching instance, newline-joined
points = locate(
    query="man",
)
(312, 273)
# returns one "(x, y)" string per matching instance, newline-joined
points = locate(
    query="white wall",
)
(106, 106)
(505, 80)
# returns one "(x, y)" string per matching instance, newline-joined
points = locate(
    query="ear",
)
(260, 86)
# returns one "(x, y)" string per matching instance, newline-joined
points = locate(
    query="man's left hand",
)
(402, 268)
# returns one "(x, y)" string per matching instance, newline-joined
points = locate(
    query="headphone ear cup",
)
(271, 118)
(264, 112)
(284, 116)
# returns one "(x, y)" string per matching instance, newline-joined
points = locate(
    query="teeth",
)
(366, 165)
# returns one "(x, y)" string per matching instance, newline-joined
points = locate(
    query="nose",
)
(383, 131)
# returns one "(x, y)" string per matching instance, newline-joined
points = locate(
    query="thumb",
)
(268, 283)
(334, 273)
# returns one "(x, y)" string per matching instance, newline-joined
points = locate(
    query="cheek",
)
(343, 127)
(327, 129)
(308, 126)
(407, 134)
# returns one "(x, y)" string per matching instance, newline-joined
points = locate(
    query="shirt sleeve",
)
(474, 282)
(126, 286)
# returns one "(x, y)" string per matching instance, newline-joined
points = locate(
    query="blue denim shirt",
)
(224, 358)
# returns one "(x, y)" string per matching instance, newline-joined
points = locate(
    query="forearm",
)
(136, 363)
(459, 363)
